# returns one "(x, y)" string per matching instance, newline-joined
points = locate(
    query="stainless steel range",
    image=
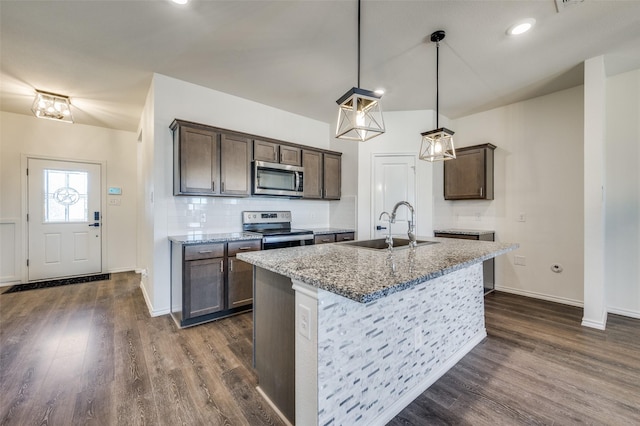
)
(275, 227)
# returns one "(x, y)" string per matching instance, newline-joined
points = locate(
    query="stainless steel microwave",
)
(277, 179)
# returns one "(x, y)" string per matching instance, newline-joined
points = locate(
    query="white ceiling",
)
(300, 56)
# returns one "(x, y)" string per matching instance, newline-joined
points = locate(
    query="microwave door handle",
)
(297, 181)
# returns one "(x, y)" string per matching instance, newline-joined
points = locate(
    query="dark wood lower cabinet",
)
(208, 282)
(488, 266)
(203, 287)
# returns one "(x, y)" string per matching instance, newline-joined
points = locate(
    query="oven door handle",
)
(285, 238)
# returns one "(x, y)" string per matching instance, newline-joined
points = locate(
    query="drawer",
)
(243, 246)
(456, 236)
(345, 236)
(324, 239)
(203, 251)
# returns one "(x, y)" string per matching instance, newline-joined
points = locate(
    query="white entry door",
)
(394, 180)
(65, 236)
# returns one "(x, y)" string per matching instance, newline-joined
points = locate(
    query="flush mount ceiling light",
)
(359, 112)
(437, 145)
(521, 27)
(52, 106)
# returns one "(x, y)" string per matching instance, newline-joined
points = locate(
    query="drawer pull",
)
(326, 240)
(205, 251)
(245, 248)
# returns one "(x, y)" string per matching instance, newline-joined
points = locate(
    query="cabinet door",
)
(240, 280)
(203, 285)
(235, 165)
(290, 155)
(332, 176)
(324, 239)
(197, 169)
(312, 163)
(470, 175)
(265, 151)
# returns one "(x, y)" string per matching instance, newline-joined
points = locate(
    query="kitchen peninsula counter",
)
(350, 336)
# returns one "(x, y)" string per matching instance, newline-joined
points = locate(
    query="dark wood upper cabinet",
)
(265, 151)
(235, 165)
(470, 175)
(312, 163)
(332, 176)
(196, 161)
(218, 162)
(276, 153)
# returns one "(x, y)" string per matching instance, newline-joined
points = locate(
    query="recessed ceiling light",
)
(521, 27)
(180, 1)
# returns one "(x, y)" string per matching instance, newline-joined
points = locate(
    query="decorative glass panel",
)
(65, 196)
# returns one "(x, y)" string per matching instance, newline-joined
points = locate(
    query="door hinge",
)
(27, 217)
(27, 172)
(27, 262)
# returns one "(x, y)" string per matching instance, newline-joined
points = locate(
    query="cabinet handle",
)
(481, 191)
(245, 248)
(222, 266)
(281, 157)
(326, 240)
(213, 184)
(205, 251)
(222, 186)
(230, 265)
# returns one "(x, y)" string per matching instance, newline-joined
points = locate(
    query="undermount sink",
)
(380, 243)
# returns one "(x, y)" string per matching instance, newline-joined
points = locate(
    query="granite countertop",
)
(365, 275)
(324, 231)
(198, 238)
(464, 231)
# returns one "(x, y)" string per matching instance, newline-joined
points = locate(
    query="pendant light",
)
(359, 112)
(437, 145)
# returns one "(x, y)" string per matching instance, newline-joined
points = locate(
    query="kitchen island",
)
(370, 329)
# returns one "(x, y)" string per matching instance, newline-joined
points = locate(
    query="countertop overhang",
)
(365, 275)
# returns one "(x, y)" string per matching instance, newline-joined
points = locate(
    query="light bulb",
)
(438, 147)
(360, 119)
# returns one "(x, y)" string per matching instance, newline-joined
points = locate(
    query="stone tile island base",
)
(361, 364)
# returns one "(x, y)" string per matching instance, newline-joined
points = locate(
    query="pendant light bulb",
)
(437, 145)
(359, 112)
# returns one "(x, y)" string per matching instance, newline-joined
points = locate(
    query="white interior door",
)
(394, 180)
(65, 237)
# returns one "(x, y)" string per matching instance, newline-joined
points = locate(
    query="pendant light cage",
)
(359, 110)
(359, 115)
(437, 145)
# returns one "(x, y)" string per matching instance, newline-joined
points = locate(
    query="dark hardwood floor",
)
(90, 354)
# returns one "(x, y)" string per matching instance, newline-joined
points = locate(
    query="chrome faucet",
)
(411, 232)
(389, 239)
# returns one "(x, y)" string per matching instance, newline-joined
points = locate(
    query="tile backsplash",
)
(219, 215)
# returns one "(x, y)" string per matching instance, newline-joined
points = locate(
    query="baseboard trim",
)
(147, 301)
(624, 312)
(600, 324)
(273, 406)
(541, 296)
(387, 415)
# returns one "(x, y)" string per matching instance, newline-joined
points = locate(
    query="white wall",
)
(22, 134)
(171, 215)
(402, 136)
(538, 172)
(622, 223)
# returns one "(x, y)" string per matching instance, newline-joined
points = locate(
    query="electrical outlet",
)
(519, 260)
(304, 319)
(522, 217)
